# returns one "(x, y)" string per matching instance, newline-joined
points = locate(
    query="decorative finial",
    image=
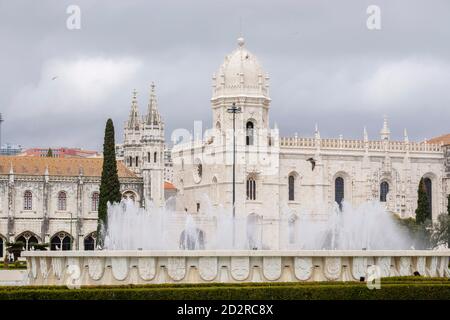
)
(134, 94)
(241, 41)
(385, 131)
(405, 135)
(152, 86)
(366, 136)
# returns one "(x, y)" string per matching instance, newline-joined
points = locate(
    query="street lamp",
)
(233, 109)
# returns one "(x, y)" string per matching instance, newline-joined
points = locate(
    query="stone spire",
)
(385, 132)
(316, 132)
(153, 117)
(405, 136)
(366, 136)
(133, 121)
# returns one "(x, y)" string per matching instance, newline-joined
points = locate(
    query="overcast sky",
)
(325, 66)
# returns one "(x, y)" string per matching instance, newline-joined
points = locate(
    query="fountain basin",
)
(74, 268)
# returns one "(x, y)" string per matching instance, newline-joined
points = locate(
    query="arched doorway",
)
(90, 241)
(1, 247)
(61, 241)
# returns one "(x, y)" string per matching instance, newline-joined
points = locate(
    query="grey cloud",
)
(325, 66)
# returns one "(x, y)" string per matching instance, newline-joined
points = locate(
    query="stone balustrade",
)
(373, 145)
(152, 267)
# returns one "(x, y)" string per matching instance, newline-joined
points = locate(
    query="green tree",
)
(448, 204)
(441, 231)
(448, 212)
(109, 185)
(50, 153)
(423, 209)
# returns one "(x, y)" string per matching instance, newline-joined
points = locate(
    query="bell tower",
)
(143, 148)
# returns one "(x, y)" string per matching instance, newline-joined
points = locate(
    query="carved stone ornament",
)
(240, 268)
(119, 268)
(332, 268)
(303, 268)
(96, 267)
(147, 268)
(272, 267)
(177, 268)
(207, 268)
(359, 267)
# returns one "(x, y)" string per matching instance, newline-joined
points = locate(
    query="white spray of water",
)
(368, 226)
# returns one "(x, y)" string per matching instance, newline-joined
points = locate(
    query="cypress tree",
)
(448, 204)
(50, 153)
(109, 185)
(422, 203)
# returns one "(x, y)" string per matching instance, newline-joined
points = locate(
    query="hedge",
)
(401, 290)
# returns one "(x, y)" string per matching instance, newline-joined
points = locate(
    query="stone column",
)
(11, 206)
(79, 218)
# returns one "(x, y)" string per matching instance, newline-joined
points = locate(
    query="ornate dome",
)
(240, 75)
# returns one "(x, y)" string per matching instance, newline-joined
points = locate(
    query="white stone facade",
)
(275, 174)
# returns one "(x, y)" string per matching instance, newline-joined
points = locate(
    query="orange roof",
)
(30, 165)
(444, 139)
(168, 185)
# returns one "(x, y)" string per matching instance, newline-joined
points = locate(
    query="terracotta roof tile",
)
(29, 165)
(444, 139)
(168, 185)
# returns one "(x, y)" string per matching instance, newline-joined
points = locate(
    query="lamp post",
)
(233, 109)
(71, 234)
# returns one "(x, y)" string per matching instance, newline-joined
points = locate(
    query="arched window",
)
(28, 239)
(28, 200)
(61, 241)
(1, 247)
(291, 186)
(192, 239)
(254, 231)
(130, 161)
(155, 156)
(89, 242)
(137, 161)
(62, 201)
(95, 200)
(250, 133)
(251, 188)
(129, 195)
(148, 157)
(384, 190)
(339, 191)
(429, 190)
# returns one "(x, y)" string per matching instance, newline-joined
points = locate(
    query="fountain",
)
(161, 245)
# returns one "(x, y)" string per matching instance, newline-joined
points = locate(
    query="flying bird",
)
(313, 163)
(55, 77)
